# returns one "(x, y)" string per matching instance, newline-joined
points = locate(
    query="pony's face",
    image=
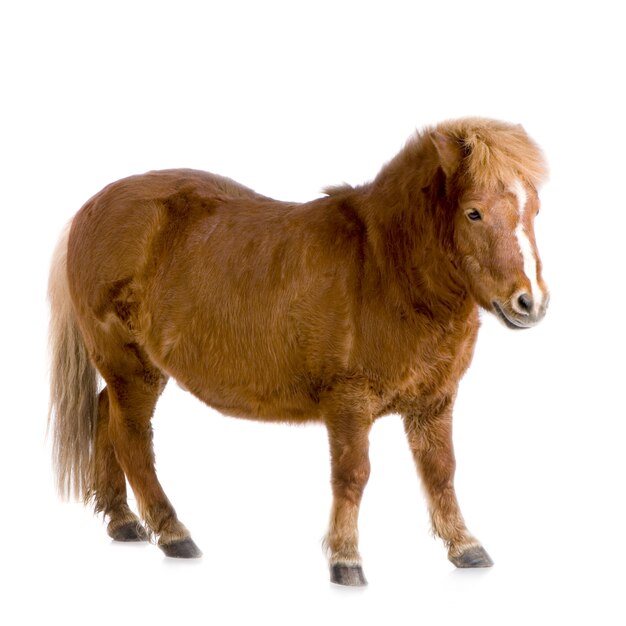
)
(495, 242)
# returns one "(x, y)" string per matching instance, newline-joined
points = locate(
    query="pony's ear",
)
(449, 151)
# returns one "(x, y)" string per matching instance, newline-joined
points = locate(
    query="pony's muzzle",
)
(521, 310)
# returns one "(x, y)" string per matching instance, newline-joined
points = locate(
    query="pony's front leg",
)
(429, 431)
(348, 434)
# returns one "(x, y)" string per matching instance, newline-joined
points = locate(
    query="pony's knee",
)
(349, 482)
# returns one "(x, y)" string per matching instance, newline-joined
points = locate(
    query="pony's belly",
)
(280, 406)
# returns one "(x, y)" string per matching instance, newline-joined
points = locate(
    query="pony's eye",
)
(474, 215)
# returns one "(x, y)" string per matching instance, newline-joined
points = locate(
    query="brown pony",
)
(340, 310)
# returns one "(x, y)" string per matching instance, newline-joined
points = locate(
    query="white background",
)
(286, 98)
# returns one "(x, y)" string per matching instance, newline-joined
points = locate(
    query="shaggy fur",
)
(496, 152)
(339, 310)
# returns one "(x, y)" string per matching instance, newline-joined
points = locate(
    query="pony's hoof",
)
(131, 531)
(183, 549)
(348, 575)
(472, 557)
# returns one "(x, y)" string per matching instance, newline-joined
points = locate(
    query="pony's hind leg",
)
(134, 386)
(429, 432)
(109, 482)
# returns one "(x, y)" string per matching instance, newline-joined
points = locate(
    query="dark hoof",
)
(349, 575)
(472, 557)
(183, 549)
(131, 531)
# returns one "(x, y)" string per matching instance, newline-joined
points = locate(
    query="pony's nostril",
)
(525, 303)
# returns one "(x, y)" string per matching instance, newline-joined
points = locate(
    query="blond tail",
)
(73, 386)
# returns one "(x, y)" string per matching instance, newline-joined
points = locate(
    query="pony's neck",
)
(410, 228)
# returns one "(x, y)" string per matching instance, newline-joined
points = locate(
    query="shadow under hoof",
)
(183, 549)
(472, 557)
(131, 531)
(348, 575)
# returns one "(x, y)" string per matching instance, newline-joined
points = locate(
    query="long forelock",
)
(497, 153)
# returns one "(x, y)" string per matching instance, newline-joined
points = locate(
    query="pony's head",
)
(493, 171)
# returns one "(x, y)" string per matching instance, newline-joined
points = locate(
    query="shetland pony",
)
(340, 310)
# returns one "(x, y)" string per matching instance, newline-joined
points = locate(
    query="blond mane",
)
(496, 152)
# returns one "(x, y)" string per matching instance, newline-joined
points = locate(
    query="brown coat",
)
(342, 309)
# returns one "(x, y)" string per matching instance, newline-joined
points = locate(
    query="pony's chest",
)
(431, 364)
